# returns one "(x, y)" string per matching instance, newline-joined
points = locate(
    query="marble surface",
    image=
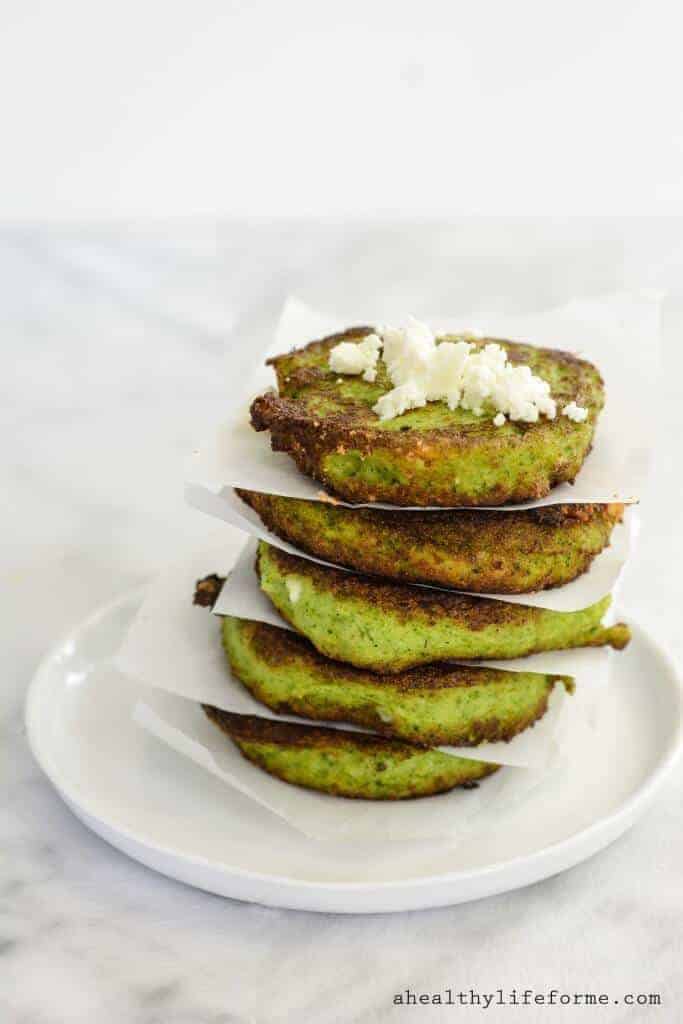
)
(114, 351)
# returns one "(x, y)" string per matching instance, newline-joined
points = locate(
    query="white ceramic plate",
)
(177, 819)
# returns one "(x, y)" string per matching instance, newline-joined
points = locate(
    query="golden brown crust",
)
(251, 728)
(402, 601)
(474, 550)
(207, 590)
(478, 731)
(279, 647)
(419, 526)
(248, 732)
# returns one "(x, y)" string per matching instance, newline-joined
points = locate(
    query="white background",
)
(220, 107)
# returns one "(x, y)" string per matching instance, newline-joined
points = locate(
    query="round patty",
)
(459, 705)
(346, 764)
(474, 550)
(428, 456)
(388, 627)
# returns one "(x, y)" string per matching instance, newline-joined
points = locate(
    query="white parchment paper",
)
(175, 646)
(619, 333)
(601, 578)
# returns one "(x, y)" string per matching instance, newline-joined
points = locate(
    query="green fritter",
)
(428, 456)
(388, 627)
(349, 764)
(475, 550)
(460, 705)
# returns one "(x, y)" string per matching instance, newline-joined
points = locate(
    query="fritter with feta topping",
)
(432, 455)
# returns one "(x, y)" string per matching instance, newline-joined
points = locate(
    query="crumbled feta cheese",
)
(408, 352)
(400, 400)
(445, 378)
(357, 357)
(456, 372)
(294, 587)
(575, 412)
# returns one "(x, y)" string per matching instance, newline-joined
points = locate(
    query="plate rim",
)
(638, 799)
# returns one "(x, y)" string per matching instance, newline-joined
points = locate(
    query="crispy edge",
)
(251, 729)
(400, 600)
(526, 531)
(420, 524)
(206, 590)
(277, 647)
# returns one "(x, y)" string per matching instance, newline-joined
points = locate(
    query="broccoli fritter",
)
(468, 549)
(388, 627)
(428, 456)
(349, 764)
(459, 705)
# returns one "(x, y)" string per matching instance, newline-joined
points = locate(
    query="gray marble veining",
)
(113, 346)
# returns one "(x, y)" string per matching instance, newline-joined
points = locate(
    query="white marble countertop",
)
(113, 345)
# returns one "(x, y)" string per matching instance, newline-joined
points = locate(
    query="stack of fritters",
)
(375, 648)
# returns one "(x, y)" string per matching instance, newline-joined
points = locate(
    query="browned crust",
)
(420, 526)
(400, 599)
(252, 729)
(478, 731)
(293, 427)
(515, 533)
(206, 590)
(308, 440)
(245, 729)
(278, 647)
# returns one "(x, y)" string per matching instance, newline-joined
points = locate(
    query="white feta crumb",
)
(356, 357)
(399, 400)
(408, 352)
(294, 588)
(460, 373)
(577, 413)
